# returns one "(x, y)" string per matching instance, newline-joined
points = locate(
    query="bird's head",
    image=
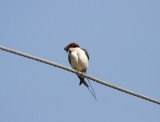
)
(71, 46)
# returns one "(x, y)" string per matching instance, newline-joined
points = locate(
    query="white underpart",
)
(79, 60)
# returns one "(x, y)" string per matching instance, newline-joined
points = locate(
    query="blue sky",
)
(122, 38)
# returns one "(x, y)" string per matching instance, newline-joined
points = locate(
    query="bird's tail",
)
(83, 81)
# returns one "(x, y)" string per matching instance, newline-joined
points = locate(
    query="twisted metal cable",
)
(79, 73)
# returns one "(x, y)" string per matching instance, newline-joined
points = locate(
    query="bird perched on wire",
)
(78, 59)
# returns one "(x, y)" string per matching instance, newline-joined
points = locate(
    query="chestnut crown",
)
(73, 45)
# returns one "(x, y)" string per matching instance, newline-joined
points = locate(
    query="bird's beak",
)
(66, 49)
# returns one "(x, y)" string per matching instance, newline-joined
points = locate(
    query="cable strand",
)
(79, 73)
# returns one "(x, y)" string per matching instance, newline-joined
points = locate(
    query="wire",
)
(79, 73)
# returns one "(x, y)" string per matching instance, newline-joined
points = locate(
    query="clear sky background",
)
(122, 38)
